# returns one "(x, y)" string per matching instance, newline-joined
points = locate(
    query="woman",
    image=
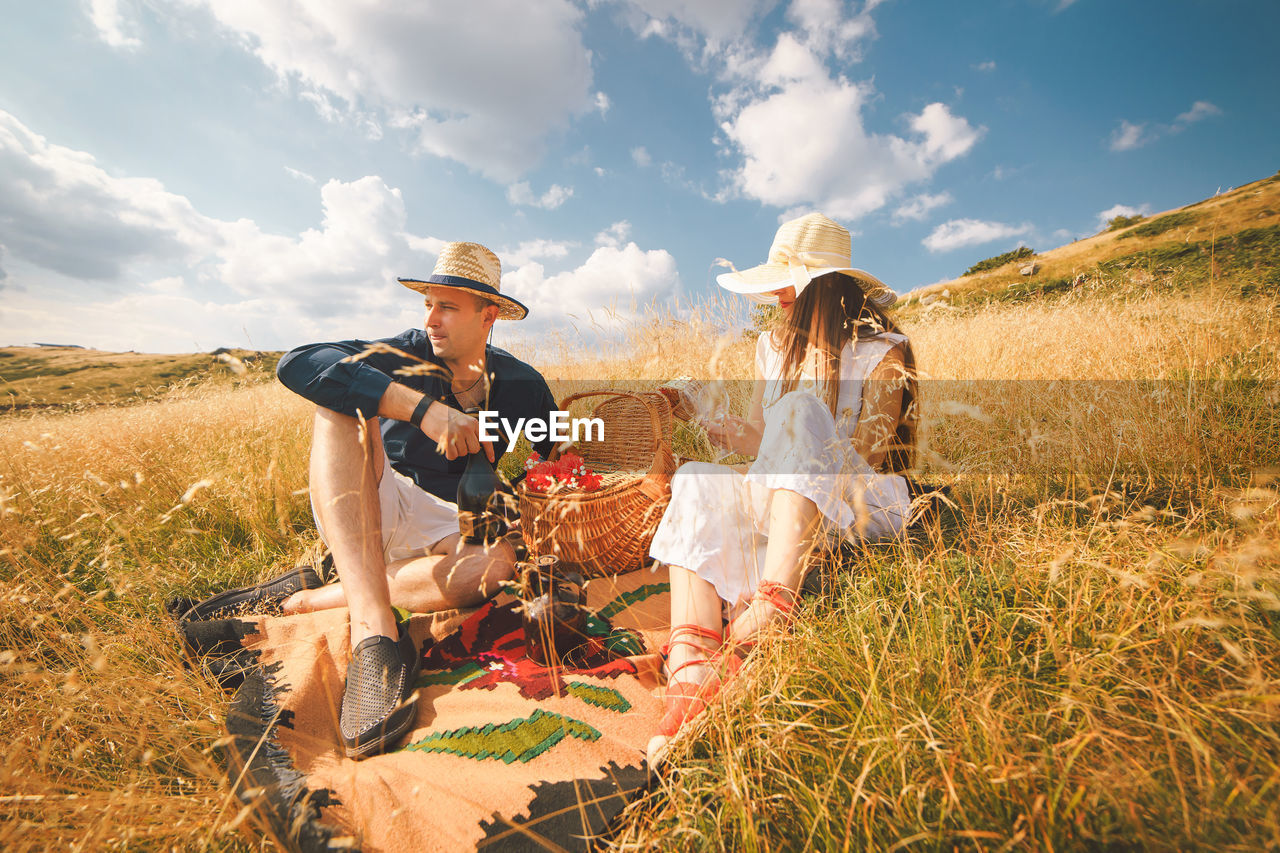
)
(831, 420)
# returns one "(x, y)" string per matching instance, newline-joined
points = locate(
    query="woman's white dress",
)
(717, 524)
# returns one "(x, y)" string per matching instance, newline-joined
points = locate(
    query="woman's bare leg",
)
(694, 601)
(793, 520)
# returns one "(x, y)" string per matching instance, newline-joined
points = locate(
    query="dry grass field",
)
(1084, 653)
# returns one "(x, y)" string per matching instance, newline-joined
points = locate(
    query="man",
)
(389, 447)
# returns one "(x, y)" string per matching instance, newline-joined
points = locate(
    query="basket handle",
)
(658, 480)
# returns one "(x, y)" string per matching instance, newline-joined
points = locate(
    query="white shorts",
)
(413, 520)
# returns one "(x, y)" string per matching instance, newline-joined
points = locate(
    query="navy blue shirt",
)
(329, 376)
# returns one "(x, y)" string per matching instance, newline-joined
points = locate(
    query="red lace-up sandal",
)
(687, 699)
(783, 598)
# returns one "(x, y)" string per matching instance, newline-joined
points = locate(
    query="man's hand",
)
(456, 434)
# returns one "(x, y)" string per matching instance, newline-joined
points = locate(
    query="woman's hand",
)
(733, 433)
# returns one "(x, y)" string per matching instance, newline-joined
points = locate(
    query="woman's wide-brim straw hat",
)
(470, 267)
(802, 250)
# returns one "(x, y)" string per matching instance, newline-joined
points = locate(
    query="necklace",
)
(469, 388)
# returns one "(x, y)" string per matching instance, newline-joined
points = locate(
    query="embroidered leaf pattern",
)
(469, 671)
(640, 593)
(618, 641)
(601, 697)
(519, 740)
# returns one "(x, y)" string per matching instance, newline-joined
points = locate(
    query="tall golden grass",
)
(1084, 654)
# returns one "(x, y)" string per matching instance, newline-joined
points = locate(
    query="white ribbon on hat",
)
(800, 263)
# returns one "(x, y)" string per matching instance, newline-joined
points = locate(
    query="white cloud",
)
(603, 103)
(1121, 210)
(718, 21)
(958, 233)
(609, 289)
(806, 144)
(1199, 111)
(532, 250)
(74, 239)
(165, 321)
(826, 29)
(640, 155)
(206, 282)
(299, 174)
(615, 235)
(1130, 135)
(360, 245)
(485, 95)
(919, 207)
(106, 17)
(799, 131)
(61, 211)
(988, 65)
(521, 195)
(791, 61)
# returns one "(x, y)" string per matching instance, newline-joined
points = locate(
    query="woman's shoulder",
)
(895, 338)
(766, 352)
(861, 357)
(879, 343)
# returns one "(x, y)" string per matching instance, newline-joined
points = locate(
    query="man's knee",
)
(343, 438)
(485, 567)
(330, 422)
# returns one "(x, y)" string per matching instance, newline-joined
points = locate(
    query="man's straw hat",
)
(802, 250)
(470, 267)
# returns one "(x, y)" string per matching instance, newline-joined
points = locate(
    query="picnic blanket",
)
(504, 753)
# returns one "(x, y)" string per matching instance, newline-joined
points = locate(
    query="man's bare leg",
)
(346, 466)
(453, 575)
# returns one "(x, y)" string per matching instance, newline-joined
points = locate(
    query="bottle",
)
(477, 522)
(553, 612)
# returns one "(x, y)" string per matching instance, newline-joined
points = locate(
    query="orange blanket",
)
(504, 752)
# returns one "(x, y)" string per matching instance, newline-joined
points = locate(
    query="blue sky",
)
(179, 175)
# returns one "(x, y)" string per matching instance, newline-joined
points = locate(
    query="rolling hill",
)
(1233, 236)
(74, 377)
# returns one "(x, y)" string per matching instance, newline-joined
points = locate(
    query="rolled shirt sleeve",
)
(329, 375)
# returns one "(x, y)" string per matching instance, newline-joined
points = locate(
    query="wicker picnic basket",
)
(608, 531)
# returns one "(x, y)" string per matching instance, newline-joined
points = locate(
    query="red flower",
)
(570, 471)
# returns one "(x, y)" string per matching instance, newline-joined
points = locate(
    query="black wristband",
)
(420, 411)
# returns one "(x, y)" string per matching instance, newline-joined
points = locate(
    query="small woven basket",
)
(608, 531)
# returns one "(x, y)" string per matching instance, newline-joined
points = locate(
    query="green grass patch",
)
(1160, 225)
(1124, 222)
(1000, 260)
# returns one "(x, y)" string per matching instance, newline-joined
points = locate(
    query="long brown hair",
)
(829, 313)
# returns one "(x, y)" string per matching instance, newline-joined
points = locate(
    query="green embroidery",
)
(469, 671)
(627, 599)
(519, 740)
(619, 641)
(601, 697)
